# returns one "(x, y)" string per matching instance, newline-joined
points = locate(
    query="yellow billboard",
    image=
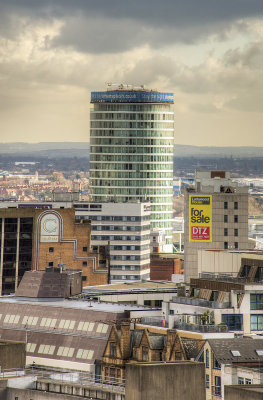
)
(200, 218)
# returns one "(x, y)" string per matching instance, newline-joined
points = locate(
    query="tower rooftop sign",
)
(131, 96)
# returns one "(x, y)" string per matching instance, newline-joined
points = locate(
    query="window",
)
(256, 301)
(225, 218)
(217, 385)
(233, 321)
(225, 245)
(207, 381)
(235, 232)
(248, 381)
(113, 350)
(207, 358)
(84, 263)
(171, 312)
(240, 380)
(147, 302)
(51, 249)
(145, 354)
(256, 322)
(85, 249)
(236, 219)
(235, 205)
(225, 205)
(216, 364)
(225, 231)
(50, 264)
(236, 245)
(84, 278)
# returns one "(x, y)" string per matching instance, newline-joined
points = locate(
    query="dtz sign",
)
(200, 215)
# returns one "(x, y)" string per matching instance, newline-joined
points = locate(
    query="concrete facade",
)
(244, 392)
(170, 381)
(229, 219)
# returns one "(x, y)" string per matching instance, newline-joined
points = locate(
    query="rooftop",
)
(77, 304)
(135, 287)
(228, 351)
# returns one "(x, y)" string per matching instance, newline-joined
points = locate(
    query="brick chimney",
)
(125, 340)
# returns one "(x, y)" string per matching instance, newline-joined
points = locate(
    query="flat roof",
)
(124, 288)
(78, 304)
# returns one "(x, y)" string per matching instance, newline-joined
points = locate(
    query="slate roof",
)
(157, 341)
(137, 337)
(247, 348)
(41, 284)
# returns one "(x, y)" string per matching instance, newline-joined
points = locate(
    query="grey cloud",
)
(113, 26)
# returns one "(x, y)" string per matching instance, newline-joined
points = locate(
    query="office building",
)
(120, 232)
(33, 239)
(131, 153)
(215, 217)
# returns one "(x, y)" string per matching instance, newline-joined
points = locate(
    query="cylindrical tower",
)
(131, 153)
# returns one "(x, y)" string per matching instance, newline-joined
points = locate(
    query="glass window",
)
(240, 380)
(248, 381)
(235, 232)
(207, 358)
(235, 205)
(236, 245)
(233, 321)
(225, 218)
(216, 364)
(256, 301)
(207, 381)
(236, 218)
(51, 249)
(217, 385)
(256, 322)
(225, 205)
(225, 245)
(225, 231)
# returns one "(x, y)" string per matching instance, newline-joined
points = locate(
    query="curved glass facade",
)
(131, 151)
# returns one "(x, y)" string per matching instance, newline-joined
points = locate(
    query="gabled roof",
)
(137, 335)
(190, 347)
(156, 341)
(224, 350)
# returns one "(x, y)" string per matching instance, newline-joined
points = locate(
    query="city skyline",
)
(53, 54)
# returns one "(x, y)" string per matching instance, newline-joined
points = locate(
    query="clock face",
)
(49, 225)
(49, 230)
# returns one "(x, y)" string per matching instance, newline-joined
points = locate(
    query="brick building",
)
(127, 345)
(33, 239)
(163, 266)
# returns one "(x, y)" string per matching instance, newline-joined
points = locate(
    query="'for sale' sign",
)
(200, 217)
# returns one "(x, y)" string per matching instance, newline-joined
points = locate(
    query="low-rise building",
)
(219, 303)
(230, 361)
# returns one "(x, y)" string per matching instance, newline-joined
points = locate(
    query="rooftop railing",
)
(200, 328)
(200, 302)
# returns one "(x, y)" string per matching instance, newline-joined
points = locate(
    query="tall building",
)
(131, 153)
(215, 217)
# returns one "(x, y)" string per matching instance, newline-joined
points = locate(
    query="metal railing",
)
(53, 375)
(154, 321)
(194, 301)
(200, 328)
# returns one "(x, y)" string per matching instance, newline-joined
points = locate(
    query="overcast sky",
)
(208, 52)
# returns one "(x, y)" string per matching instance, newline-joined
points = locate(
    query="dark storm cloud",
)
(117, 25)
